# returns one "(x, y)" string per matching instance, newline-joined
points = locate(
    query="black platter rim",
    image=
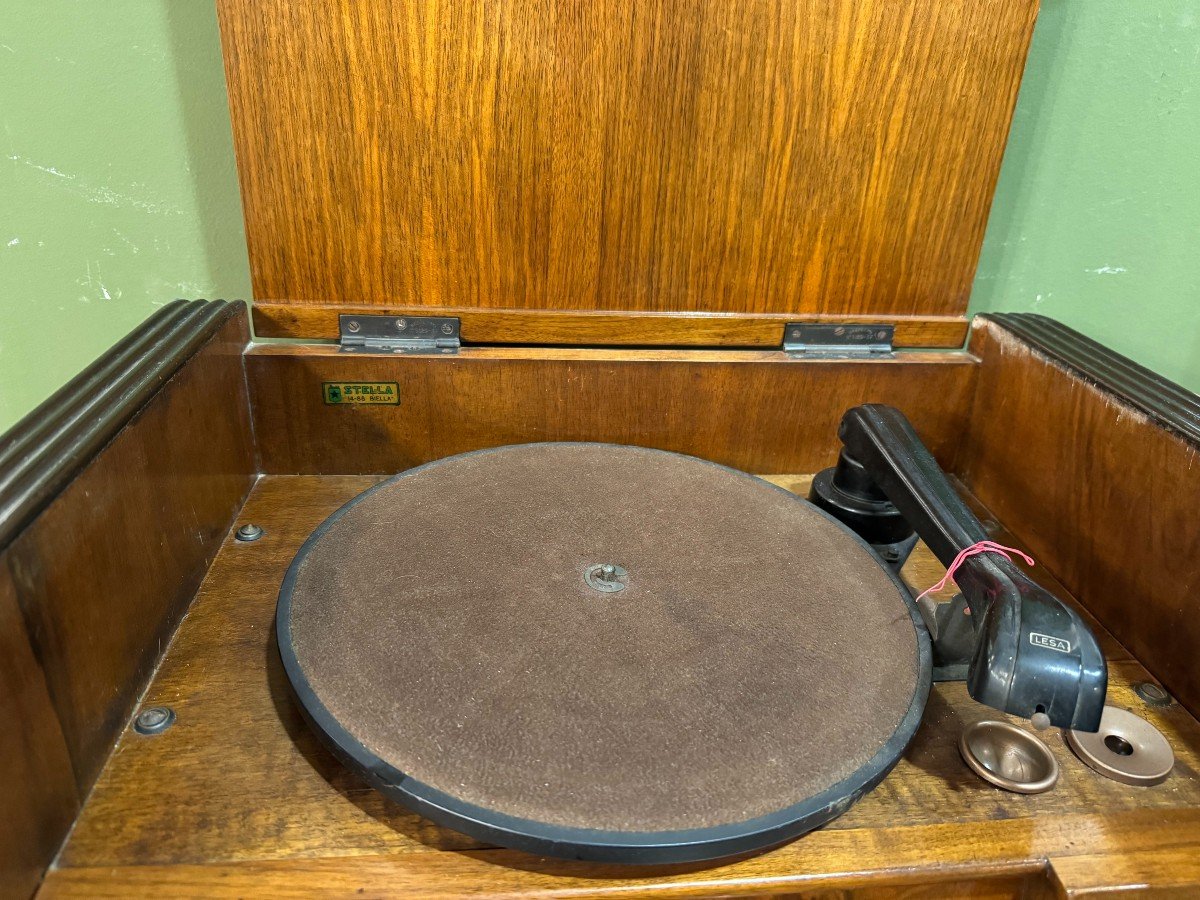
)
(587, 844)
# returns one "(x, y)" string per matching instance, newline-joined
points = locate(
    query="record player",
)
(589, 535)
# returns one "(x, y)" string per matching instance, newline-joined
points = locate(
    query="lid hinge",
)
(398, 334)
(829, 340)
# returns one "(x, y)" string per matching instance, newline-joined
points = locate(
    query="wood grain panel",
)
(1143, 854)
(1161, 873)
(773, 156)
(755, 410)
(258, 806)
(1064, 857)
(601, 329)
(104, 573)
(1102, 495)
(39, 798)
(469, 876)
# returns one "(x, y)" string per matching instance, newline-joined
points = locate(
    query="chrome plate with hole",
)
(1127, 748)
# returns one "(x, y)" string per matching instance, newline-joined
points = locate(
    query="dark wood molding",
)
(1095, 462)
(53, 443)
(1168, 404)
(116, 494)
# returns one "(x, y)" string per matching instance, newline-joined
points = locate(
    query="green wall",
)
(1096, 220)
(118, 190)
(117, 185)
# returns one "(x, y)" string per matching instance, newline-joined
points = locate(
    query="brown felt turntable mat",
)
(757, 656)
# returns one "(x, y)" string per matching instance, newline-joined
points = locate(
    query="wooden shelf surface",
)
(238, 798)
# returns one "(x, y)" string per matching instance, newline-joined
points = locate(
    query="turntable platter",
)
(603, 652)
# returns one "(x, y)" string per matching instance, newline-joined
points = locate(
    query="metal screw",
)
(401, 324)
(154, 720)
(1152, 694)
(248, 532)
(605, 577)
(447, 328)
(353, 327)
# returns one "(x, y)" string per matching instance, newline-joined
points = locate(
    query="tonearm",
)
(1024, 651)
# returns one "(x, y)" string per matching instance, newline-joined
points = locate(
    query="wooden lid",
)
(575, 172)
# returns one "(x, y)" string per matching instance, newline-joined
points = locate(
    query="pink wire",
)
(973, 550)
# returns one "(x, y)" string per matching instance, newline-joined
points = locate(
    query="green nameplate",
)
(360, 393)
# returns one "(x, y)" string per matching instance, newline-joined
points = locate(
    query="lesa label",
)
(360, 393)
(1049, 642)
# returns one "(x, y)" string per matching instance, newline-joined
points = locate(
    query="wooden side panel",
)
(757, 411)
(39, 798)
(772, 156)
(103, 574)
(1102, 495)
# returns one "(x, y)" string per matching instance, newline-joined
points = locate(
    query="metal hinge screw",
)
(353, 326)
(154, 720)
(248, 532)
(1152, 694)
